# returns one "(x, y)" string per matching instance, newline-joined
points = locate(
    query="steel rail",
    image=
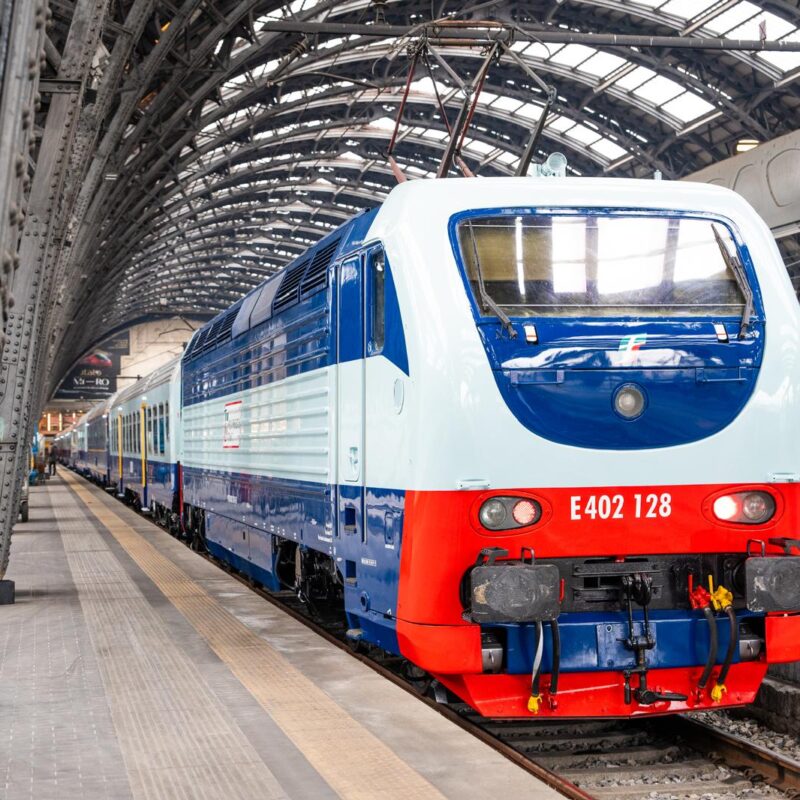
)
(736, 751)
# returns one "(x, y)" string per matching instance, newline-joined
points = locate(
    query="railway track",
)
(663, 758)
(672, 758)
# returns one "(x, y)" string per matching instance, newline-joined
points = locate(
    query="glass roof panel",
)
(529, 111)
(507, 103)
(559, 124)
(687, 9)
(634, 78)
(733, 17)
(688, 106)
(583, 134)
(611, 150)
(572, 54)
(776, 27)
(602, 64)
(658, 90)
(784, 61)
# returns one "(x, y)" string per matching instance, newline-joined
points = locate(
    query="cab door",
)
(350, 397)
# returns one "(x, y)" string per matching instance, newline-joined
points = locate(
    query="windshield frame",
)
(742, 253)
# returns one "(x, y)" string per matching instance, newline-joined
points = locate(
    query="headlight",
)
(629, 401)
(507, 513)
(493, 514)
(745, 508)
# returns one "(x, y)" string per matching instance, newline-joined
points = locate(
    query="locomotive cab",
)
(618, 462)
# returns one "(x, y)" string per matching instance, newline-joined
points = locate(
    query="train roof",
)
(157, 377)
(305, 275)
(309, 271)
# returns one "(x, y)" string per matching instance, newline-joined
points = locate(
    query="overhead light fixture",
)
(743, 145)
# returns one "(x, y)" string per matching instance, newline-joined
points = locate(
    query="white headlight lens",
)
(629, 401)
(493, 514)
(757, 506)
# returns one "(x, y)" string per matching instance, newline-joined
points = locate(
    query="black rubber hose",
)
(732, 644)
(556, 657)
(712, 649)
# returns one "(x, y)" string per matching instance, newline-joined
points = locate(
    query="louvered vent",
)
(317, 275)
(227, 324)
(213, 332)
(288, 293)
(200, 341)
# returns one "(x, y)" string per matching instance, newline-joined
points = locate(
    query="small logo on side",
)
(630, 343)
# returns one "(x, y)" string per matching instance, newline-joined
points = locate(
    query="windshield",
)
(592, 265)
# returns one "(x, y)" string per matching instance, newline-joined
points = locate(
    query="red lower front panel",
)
(601, 694)
(442, 537)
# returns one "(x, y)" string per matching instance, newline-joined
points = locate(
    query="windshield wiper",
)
(735, 266)
(486, 300)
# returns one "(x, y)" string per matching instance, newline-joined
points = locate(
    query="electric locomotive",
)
(538, 436)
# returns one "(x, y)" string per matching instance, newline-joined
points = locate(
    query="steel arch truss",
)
(223, 147)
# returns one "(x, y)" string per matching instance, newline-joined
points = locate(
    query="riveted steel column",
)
(22, 27)
(44, 228)
(21, 49)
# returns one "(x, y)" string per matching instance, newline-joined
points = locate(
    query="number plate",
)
(650, 505)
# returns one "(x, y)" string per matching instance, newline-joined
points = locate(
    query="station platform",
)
(131, 667)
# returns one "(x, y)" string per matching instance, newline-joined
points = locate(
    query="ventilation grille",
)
(317, 275)
(288, 293)
(213, 335)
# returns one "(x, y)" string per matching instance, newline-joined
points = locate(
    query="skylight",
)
(602, 64)
(658, 90)
(688, 106)
(572, 54)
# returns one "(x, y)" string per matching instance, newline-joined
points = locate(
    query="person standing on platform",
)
(51, 461)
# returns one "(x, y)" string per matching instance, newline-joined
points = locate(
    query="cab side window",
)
(377, 301)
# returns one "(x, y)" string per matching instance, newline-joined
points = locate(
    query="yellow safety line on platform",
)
(354, 762)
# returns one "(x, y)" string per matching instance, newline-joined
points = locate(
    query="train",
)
(536, 436)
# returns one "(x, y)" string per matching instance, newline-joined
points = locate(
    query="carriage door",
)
(350, 397)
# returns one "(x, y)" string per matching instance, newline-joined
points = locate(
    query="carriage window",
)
(600, 265)
(377, 295)
(161, 447)
(166, 421)
(149, 415)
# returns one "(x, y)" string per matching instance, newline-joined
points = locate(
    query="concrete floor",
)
(132, 668)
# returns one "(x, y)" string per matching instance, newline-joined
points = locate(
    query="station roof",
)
(230, 135)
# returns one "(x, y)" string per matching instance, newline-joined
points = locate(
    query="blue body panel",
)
(694, 385)
(246, 514)
(591, 641)
(93, 463)
(162, 482)
(131, 473)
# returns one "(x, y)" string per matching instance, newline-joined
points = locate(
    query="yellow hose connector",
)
(721, 598)
(717, 692)
(534, 703)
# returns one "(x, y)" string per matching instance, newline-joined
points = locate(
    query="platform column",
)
(43, 230)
